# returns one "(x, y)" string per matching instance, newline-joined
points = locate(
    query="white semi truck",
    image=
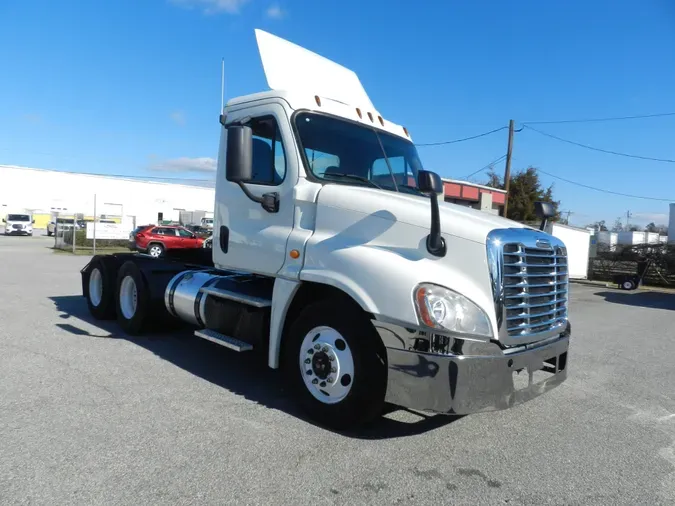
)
(332, 255)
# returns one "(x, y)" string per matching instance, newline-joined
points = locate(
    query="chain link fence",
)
(78, 234)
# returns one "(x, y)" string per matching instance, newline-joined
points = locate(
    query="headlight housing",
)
(441, 308)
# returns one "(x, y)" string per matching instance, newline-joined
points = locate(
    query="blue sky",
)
(133, 87)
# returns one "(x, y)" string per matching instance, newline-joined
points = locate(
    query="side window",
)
(319, 162)
(184, 233)
(156, 231)
(399, 166)
(269, 158)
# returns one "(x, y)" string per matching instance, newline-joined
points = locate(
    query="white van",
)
(18, 224)
(207, 223)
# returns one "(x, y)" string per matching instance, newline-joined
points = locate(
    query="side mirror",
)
(33, 222)
(429, 182)
(544, 211)
(4, 220)
(239, 165)
(239, 158)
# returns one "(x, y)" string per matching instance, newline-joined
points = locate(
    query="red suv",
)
(156, 239)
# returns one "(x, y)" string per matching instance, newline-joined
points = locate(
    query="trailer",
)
(578, 244)
(332, 255)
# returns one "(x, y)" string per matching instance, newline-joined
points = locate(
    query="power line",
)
(497, 160)
(591, 120)
(601, 189)
(463, 139)
(628, 155)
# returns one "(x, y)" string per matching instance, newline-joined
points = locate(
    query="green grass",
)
(89, 251)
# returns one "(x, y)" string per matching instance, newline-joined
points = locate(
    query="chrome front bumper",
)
(471, 383)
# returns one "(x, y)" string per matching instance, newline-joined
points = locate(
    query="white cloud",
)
(178, 117)
(186, 164)
(212, 6)
(275, 12)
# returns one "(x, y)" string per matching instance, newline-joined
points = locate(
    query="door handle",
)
(224, 238)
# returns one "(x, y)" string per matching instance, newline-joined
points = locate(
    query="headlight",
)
(441, 308)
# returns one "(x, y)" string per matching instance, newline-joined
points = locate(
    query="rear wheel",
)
(628, 284)
(156, 250)
(100, 291)
(132, 299)
(334, 364)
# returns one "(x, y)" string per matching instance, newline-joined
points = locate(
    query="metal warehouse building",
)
(47, 192)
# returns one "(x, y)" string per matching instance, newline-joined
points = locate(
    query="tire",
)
(156, 250)
(100, 291)
(357, 391)
(132, 315)
(628, 284)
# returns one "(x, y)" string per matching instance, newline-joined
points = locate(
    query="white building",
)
(45, 192)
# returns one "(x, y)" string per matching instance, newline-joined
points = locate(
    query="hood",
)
(456, 220)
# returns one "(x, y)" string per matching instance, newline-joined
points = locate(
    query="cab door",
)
(246, 236)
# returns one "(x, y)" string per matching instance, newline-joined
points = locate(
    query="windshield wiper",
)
(413, 188)
(354, 176)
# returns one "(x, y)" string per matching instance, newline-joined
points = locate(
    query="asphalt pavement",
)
(90, 416)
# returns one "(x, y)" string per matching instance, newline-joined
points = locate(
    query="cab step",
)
(223, 340)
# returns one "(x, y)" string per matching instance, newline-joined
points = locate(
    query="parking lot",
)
(89, 416)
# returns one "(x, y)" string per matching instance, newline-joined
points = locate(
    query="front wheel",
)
(335, 365)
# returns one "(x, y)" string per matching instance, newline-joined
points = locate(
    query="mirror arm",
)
(269, 201)
(435, 242)
(544, 222)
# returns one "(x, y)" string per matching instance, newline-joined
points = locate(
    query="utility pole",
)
(507, 169)
(628, 216)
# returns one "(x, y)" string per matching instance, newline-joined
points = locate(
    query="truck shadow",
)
(654, 300)
(244, 374)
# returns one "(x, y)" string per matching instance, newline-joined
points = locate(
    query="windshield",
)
(18, 217)
(341, 151)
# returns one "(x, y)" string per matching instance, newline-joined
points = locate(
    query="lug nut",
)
(330, 379)
(323, 384)
(333, 370)
(325, 349)
(315, 381)
(308, 361)
(310, 351)
(331, 358)
(317, 346)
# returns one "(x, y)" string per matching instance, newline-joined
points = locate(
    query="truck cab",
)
(332, 253)
(18, 224)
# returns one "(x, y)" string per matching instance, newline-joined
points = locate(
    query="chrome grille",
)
(529, 276)
(535, 289)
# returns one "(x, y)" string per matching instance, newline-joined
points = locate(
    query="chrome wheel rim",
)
(128, 297)
(95, 287)
(326, 365)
